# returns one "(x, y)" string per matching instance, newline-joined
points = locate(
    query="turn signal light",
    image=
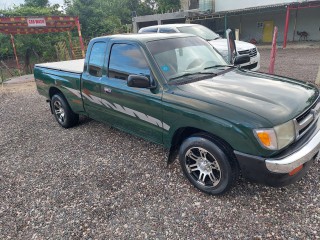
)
(264, 138)
(296, 170)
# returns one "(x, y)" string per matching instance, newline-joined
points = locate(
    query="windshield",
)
(179, 57)
(200, 31)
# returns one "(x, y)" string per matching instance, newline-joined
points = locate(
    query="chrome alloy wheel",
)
(59, 111)
(203, 167)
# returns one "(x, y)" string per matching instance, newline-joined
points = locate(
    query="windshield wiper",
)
(190, 74)
(216, 66)
(205, 75)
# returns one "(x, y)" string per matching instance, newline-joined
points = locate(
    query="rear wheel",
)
(62, 111)
(208, 165)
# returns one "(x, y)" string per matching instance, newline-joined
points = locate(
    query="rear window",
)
(167, 30)
(148, 30)
(200, 31)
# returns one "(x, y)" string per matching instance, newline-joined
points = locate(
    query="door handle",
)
(107, 90)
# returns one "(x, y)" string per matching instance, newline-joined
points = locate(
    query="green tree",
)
(168, 5)
(25, 10)
(98, 17)
(36, 3)
(151, 4)
(41, 44)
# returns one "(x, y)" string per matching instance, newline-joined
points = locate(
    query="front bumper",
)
(275, 171)
(287, 164)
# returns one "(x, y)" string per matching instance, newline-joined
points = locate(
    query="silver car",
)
(213, 38)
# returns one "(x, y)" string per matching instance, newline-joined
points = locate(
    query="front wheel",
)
(208, 165)
(62, 111)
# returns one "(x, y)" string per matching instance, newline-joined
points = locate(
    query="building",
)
(254, 19)
(189, 9)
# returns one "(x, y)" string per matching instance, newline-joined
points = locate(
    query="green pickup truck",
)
(177, 91)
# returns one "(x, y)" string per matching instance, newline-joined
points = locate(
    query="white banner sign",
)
(36, 22)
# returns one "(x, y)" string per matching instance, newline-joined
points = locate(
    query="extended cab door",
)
(135, 110)
(91, 79)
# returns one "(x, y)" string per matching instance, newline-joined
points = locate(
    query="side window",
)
(126, 59)
(167, 30)
(96, 59)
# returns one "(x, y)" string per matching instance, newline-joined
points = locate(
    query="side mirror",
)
(232, 51)
(241, 59)
(139, 81)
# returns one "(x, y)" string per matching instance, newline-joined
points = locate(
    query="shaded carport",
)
(303, 5)
(222, 19)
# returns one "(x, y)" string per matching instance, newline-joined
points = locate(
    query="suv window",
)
(127, 59)
(96, 59)
(167, 30)
(149, 30)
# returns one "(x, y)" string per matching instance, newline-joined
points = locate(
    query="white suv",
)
(214, 39)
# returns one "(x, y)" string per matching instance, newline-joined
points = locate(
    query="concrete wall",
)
(228, 5)
(307, 20)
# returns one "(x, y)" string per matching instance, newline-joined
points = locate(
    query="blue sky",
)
(4, 4)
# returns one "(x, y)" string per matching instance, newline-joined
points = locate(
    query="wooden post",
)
(71, 46)
(273, 51)
(80, 36)
(15, 52)
(286, 27)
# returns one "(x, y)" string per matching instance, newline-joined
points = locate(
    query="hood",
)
(276, 99)
(221, 45)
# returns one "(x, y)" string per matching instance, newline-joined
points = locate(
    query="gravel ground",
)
(95, 182)
(302, 64)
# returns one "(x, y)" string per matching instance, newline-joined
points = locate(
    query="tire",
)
(208, 164)
(62, 111)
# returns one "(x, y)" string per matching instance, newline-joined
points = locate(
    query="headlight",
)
(276, 138)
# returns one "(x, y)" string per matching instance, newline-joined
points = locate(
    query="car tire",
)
(208, 164)
(62, 111)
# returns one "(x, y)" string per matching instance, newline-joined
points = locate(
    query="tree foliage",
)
(97, 17)
(27, 10)
(41, 44)
(36, 3)
(168, 5)
(100, 17)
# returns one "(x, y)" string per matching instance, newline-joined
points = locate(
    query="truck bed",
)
(74, 66)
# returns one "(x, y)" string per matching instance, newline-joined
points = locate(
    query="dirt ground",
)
(299, 63)
(96, 182)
